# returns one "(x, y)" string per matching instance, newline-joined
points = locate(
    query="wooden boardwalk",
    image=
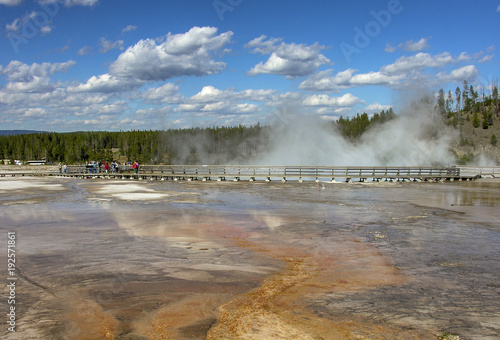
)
(283, 173)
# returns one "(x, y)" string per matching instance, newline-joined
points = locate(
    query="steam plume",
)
(415, 138)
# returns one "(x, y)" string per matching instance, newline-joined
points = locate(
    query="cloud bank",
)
(146, 81)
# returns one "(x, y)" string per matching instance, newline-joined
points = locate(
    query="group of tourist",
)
(95, 167)
(135, 166)
(63, 168)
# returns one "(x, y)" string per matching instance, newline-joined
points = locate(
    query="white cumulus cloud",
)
(376, 107)
(468, 73)
(210, 94)
(406, 72)
(225, 103)
(324, 81)
(107, 45)
(106, 83)
(187, 54)
(167, 93)
(35, 84)
(389, 48)
(129, 28)
(418, 61)
(45, 29)
(291, 60)
(346, 100)
(17, 71)
(375, 78)
(84, 50)
(416, 46)
(246, 108)
(410, 45)
(263, 46)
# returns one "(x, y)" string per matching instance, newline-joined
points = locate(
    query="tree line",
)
(354, 127)
(146, 147)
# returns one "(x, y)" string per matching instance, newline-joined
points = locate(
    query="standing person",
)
(60, 167)
(106, 167)
(65, 167)
(133, 167)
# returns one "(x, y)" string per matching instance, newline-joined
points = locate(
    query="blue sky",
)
(70, 65)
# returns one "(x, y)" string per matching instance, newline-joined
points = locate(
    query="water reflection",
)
(476, 194)
(33, 214)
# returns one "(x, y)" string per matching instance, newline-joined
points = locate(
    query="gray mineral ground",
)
(126, 259)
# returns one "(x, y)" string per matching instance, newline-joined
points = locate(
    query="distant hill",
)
(17, 132)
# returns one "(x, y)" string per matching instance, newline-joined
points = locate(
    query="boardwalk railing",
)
(493, 171)
(252, 172)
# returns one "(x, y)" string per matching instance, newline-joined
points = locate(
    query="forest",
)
(184, 146)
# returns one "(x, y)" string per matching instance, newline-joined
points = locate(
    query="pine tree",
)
(449, 103)
(457, 97)
(494, 96)
(465, 96)
(485, 121)
(473, 98)
(441, 103)
(475, 120)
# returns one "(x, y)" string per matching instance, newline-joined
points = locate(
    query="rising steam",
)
(415, 138)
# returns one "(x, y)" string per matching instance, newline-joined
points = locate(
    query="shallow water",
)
(193, 260)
